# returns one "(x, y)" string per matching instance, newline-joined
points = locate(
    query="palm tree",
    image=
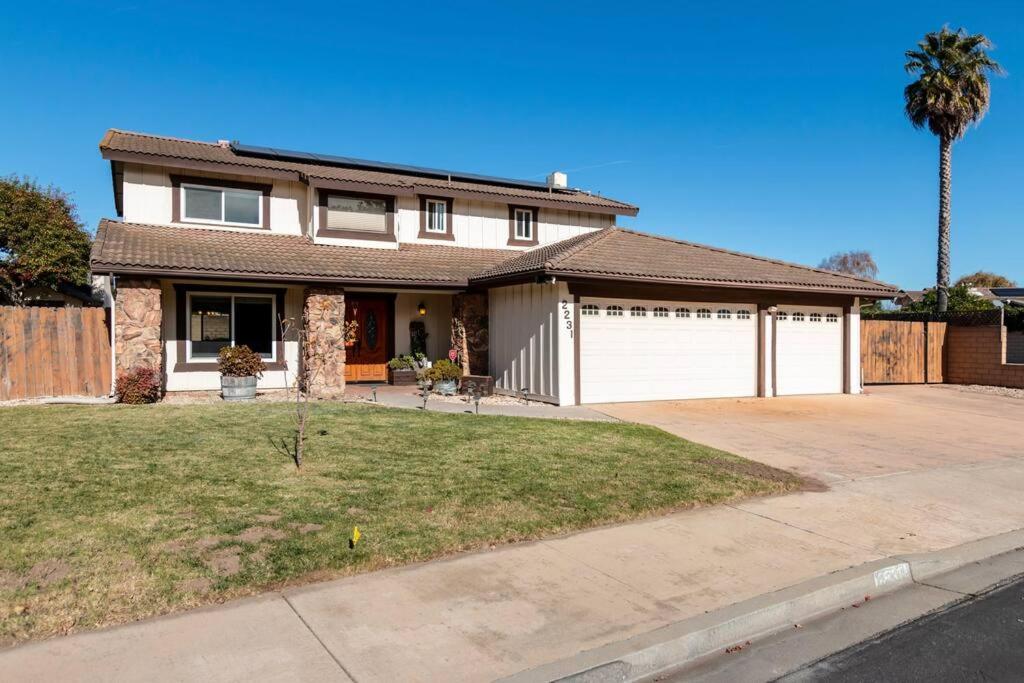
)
(951, 93)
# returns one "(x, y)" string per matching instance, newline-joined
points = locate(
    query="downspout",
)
(113, 333)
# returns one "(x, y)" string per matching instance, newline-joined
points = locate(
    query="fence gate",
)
(902, 352)
(53, 352)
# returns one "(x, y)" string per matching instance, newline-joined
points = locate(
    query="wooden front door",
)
(366, 360)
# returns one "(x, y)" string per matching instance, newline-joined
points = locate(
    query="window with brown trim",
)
(436, 217)
(522, 226)
(212, 201)
(209, 317)
(356, 216)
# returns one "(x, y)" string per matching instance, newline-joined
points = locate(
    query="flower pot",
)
(403, 377)
(447, 387)
(237, 388)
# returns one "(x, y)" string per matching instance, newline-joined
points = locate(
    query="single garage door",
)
(809, 355)
(662, 350)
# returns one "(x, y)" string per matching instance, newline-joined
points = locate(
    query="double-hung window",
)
(437, 216)
(524, 224)
(219, 320)
(221, 205)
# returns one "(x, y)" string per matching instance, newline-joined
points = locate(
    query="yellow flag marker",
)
(355, 537)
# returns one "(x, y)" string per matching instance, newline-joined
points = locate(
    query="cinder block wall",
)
(977, 355)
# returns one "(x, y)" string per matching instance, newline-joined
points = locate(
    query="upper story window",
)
(522, 225)
(215, 202)
(436, 218)
(356, 216)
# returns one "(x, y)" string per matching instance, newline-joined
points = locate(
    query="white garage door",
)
(661, 350)
(809, 357)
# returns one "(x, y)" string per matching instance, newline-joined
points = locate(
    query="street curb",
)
(670, 647)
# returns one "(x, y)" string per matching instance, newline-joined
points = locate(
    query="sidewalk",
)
(487, 615)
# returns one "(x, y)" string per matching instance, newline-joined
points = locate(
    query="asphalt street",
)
(981, 639)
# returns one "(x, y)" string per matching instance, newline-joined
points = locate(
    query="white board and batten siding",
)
(531, 341)
(635, 350)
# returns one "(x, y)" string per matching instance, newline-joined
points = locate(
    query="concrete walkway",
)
(409, 397)
(487, 615)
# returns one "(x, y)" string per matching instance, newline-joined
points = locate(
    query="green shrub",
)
(139, 385)
(240, 361)
(402, 363)
(442, 371)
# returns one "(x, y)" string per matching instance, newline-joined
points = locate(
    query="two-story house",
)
(530, 282)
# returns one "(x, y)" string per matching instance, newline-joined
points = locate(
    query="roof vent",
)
(224, 143)
(558, 180)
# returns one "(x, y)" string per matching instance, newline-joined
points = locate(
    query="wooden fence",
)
(53, 352)
(902, 352)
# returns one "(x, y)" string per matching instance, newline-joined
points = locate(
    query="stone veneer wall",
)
(977, 355)
(323, 357)
(138, 338)
(470, 332)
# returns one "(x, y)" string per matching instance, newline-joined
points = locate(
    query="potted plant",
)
(402, 371)
(240, 367)
(444, 376)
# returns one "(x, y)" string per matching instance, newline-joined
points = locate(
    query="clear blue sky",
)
(774, 130)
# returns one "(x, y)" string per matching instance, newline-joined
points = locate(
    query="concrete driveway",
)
(888, 430)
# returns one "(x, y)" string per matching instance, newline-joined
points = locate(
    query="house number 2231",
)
(567, 317)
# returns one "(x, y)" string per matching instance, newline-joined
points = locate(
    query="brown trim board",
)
(711, 294)
(177, 180)
(182, 364)
(577, 348)
(389, 217)
(775, 353)
(449, 233)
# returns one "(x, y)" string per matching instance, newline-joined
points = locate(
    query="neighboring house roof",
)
(620, 254)
(162, 250)
(911, 296)
(343, 173)
(1008, 294)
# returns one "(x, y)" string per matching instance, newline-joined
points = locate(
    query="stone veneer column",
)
(470, 331)
(138, 321)
(323, 357)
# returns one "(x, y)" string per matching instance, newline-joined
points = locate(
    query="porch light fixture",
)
(422, 308)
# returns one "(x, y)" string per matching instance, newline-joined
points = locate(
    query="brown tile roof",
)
(619, 254)
(127, 145)
(130, 247)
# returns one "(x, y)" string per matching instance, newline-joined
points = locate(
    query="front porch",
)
(178, 326)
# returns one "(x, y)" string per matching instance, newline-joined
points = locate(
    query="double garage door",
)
(633, 350)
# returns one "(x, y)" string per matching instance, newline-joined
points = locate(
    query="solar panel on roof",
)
(333, 160)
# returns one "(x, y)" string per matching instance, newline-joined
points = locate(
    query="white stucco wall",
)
(208, 381)
(530, 346)
(852, 320)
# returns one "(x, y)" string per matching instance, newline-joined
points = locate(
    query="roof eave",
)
(151, 271)
(198, 165)
(782, 287)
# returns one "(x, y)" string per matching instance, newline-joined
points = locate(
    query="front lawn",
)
(113, 513)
